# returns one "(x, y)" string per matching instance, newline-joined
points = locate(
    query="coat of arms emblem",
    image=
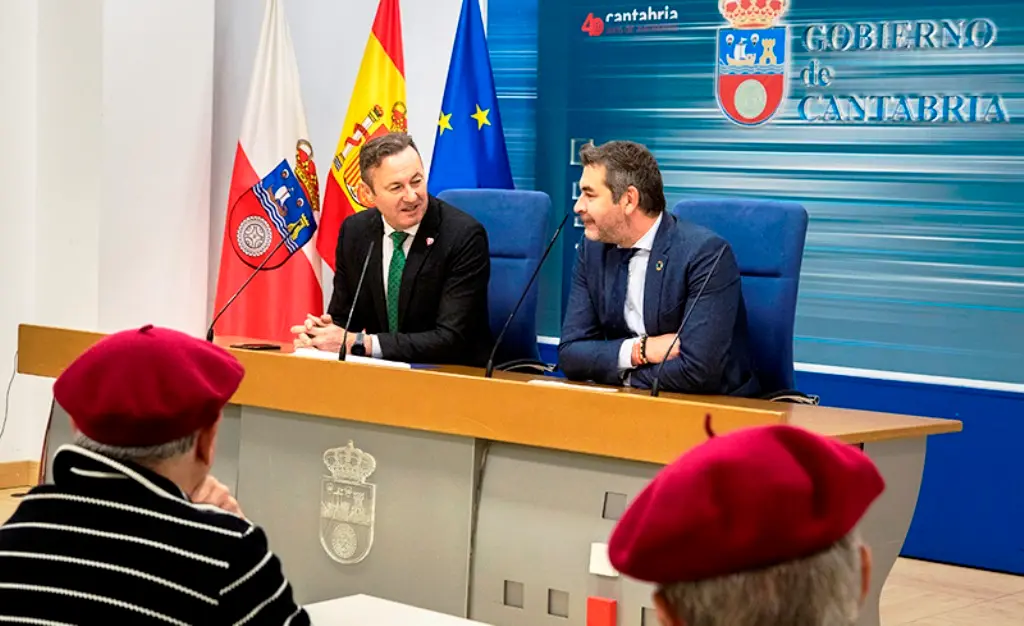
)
(752, 65)
(346, 504)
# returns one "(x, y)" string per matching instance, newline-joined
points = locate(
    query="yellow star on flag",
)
(445, 122)
(481, 117)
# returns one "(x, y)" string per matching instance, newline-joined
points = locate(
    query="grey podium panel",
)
(885, 525)
(540, 510)
(225, 457)
(422, 494)
(58, 433)
(225, 460)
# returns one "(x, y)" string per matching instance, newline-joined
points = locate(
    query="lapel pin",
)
(660, 265)
(430, 241)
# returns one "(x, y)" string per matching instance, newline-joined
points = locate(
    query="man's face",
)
(603, 218)
(399, 189)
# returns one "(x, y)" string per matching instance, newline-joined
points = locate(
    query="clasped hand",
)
(323, 334)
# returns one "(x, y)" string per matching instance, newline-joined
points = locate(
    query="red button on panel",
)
(601, 612)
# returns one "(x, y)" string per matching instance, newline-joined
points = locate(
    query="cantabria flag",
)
(274, 196)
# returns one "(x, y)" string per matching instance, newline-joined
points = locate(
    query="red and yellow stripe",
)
(377, 106)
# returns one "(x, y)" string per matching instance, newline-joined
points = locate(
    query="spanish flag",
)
(377, 107)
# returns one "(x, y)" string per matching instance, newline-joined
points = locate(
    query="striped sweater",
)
(115, 543)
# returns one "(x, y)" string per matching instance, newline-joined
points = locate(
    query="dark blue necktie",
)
(617, 316)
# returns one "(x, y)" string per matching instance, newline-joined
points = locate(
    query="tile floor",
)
(918, 593)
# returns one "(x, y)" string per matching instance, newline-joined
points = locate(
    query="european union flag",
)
(469, 150)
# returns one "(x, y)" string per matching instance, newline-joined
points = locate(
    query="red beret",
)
(147, 387)
(747, 500)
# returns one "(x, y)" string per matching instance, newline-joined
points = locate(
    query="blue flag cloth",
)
(469, 149)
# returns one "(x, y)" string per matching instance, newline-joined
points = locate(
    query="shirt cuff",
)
(374, 347)
(626, 355)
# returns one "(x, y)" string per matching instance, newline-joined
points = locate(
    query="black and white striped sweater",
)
(115, 543)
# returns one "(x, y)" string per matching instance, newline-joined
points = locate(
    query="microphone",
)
(238, 292)
(355, 299)
(490, 361)
(696, 301)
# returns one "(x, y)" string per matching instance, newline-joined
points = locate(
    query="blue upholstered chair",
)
(767, 238)
(517, 231)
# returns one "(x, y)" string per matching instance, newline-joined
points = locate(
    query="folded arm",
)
(584, 353)
(707, 337)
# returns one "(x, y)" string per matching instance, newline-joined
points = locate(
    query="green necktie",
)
(395, 278)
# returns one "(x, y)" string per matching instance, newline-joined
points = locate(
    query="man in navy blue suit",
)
(638, 271)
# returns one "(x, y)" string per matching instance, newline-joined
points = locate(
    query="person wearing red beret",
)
(753, 528)
(134, 529)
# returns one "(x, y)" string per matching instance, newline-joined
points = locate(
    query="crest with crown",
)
(349, 464)
(752, 13)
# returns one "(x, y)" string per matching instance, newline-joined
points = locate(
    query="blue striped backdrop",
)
(915, 251)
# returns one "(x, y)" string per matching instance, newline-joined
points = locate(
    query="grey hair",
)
(821, 590)
(147, 454)
(628, 164)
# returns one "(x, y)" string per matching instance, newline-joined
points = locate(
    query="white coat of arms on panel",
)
(347, 504)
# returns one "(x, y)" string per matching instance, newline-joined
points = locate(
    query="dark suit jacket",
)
(442, 304)
(714, 356)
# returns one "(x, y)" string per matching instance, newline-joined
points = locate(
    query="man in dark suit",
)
(424, 298)
(638, 272)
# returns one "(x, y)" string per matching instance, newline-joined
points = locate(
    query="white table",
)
(364, 610)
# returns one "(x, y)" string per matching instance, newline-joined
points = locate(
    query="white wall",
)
(18, 36)
(69, 139)
(329, 38)
(105, 158)
(157, 132)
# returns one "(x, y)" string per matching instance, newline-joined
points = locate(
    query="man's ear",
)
(666, 614)
(206, 442)
(365, 192)
(865, 572)
(631, 200)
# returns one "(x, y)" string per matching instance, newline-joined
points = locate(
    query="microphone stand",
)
(355, 299)
(661, 366)
(490, 361)
(259, 268)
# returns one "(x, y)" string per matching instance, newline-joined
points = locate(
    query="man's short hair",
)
(626, 164)
(823, 588)
(377, 149)
(142, 455)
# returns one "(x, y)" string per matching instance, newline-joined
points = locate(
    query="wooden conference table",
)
(482, 498)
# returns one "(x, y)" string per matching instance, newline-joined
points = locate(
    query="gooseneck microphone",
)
(238, 292)
(490, 361)
(355, 299)
(696, 301)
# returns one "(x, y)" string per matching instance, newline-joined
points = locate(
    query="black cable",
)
(7, 396)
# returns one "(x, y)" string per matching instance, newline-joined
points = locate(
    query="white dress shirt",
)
(387, 251)
(634, 306)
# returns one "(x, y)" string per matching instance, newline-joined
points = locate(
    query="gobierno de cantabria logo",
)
(752, 67)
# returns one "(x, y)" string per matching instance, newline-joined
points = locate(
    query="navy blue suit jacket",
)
(714, 356)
